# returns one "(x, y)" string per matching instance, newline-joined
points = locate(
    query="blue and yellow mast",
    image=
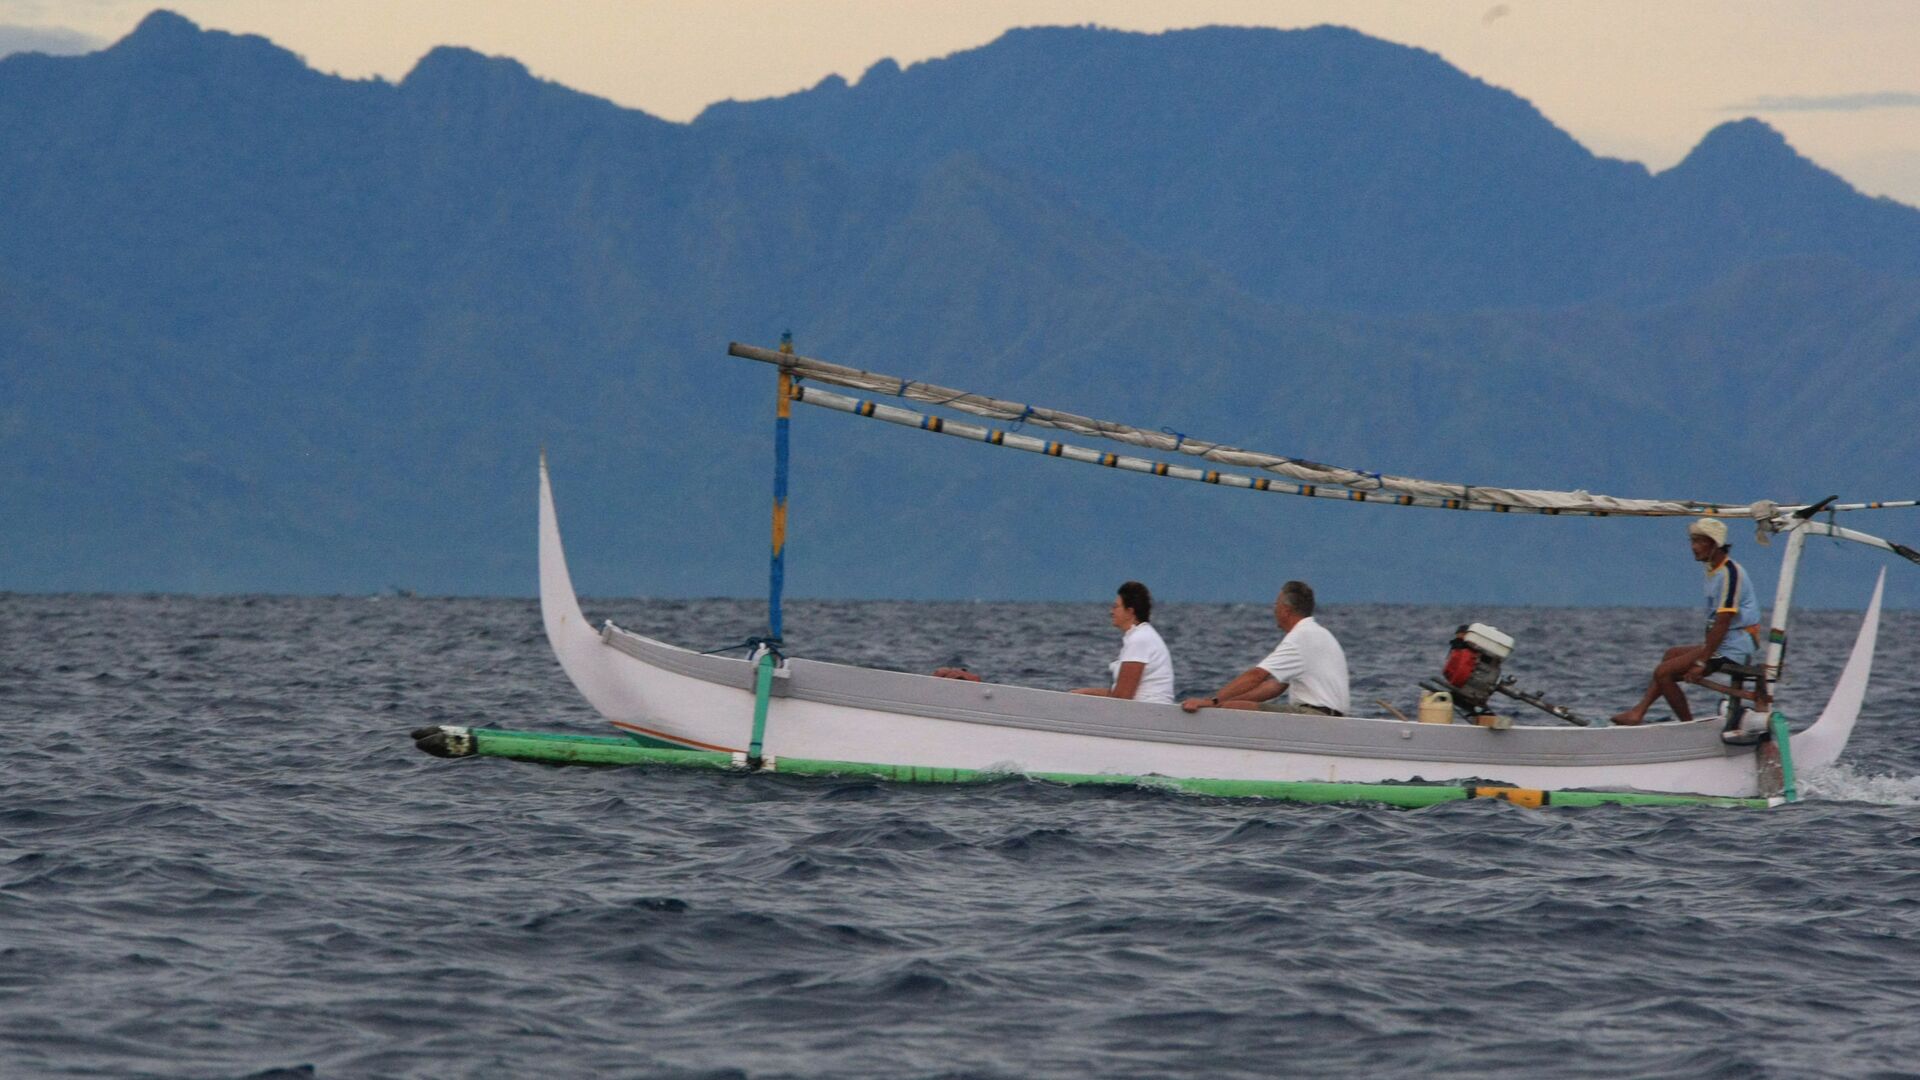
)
(783, 418)
(770, 653)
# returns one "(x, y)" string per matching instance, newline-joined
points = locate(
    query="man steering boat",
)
(1733, 626)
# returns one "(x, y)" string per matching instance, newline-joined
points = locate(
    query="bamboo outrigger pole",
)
(1775, 664)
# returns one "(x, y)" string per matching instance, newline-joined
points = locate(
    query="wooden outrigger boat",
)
(789, 714)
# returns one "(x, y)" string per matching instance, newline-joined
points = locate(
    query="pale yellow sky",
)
(1640, 79)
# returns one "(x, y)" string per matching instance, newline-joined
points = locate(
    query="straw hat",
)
(1712, 528)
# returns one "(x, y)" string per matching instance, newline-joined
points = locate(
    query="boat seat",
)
(1739, 673)
(1747, 680)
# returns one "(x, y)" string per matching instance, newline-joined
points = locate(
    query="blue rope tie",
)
(773, 645)
(1178, 436)
(1025, 411)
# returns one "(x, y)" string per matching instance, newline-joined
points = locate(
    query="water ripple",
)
(220, 857)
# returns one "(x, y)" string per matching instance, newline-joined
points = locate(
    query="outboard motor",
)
(1472, 675)
(1473, 665)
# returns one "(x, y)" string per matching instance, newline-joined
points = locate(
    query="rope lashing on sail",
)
(904, 417)
(1309, 473)
(895, 414)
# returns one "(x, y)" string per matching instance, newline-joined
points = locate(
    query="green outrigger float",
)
(560, 749)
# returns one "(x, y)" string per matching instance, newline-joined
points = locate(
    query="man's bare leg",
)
(1666, 684)
(1671, 689)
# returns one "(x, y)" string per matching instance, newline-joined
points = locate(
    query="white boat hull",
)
(838, 713)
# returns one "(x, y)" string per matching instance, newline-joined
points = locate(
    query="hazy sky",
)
(1640, 79)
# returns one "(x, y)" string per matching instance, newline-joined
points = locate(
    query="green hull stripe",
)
(625, 750)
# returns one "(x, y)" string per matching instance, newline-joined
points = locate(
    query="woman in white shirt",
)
(1144, 671)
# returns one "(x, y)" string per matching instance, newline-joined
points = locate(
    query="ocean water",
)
(220, 856)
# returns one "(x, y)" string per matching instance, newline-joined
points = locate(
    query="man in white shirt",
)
(1308, 666)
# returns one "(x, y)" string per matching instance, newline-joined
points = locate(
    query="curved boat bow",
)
(575, 643)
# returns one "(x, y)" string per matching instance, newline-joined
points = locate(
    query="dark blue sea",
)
(221, 856)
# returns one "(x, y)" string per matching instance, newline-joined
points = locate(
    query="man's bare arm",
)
(1253, 684)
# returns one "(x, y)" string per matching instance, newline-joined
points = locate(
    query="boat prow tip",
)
(559, 605)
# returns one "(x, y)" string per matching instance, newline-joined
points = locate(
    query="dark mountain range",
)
(267, 329)
(1329, 169)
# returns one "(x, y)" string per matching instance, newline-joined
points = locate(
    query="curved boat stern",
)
(1822, 744)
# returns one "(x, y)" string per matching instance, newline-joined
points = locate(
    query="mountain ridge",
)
(266, 328)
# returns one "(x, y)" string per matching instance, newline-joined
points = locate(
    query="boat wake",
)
(1841, 783)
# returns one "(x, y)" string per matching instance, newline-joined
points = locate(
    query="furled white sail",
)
(1423, 492)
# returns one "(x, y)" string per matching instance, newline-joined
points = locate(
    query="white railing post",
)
(1783, 604)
